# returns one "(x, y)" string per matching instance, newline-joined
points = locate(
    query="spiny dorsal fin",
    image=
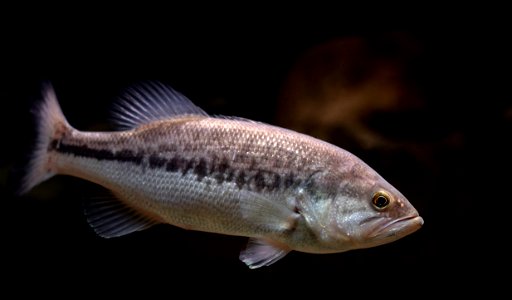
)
(111, 218)
(151, 101)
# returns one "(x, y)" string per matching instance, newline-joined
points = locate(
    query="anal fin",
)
(261, 253)
(109, 218)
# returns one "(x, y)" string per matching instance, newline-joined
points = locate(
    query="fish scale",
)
(175, 164)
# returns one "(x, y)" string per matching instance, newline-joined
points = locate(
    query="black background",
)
(235, 68)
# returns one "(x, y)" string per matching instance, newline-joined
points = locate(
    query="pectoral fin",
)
(273, 217)
(262, 253)
(270, 215)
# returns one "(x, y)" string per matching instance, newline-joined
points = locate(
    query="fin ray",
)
(261, 253)
(158, 105)
(151, 101)
(113, 218)
(50, 120)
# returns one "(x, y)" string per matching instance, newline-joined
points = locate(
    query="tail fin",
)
(51, 124)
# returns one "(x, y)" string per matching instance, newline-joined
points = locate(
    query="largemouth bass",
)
(172, 163)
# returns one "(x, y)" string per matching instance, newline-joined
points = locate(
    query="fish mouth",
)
(399, 227)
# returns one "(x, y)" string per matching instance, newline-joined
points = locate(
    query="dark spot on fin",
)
(109, 218)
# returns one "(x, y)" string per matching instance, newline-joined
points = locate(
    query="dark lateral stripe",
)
(218, 169)
(289, 180)
(259, 181)
(175, 164)
(156, 162)
(201, 169)
(241, 179)
(124, 155)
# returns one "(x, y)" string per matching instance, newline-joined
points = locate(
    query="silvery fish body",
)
(175, 164)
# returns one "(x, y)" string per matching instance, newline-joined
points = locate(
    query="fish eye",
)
(381, 200)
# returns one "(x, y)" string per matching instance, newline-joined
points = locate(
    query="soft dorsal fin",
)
(151, 101)
(109, 218)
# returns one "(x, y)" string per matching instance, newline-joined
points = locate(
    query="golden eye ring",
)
(381, 200)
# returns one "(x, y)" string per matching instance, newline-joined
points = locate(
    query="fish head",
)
(367, 211)
(387, 217)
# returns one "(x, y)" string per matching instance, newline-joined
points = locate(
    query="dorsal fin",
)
(151, 101)
(111, 218)
(233, 118)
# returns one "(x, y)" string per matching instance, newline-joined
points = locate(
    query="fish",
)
(170, 162)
